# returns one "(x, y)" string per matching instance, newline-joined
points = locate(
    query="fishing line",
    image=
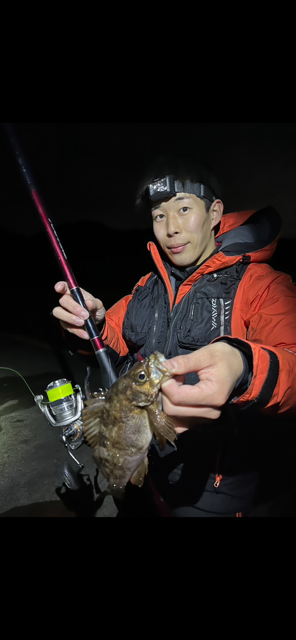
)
(63, 410)
(14, 371)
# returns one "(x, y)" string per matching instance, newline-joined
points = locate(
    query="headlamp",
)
(165, 188)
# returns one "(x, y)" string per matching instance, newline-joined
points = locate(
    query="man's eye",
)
(184, 209)
(158, 217)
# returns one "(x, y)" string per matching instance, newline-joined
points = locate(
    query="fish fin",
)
(162, 426)
(161, 439)
(139, 475)
(94, 403)
(90, 418)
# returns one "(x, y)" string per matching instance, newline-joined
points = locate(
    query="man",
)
(225, 321)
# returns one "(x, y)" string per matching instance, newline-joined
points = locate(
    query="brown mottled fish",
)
(119, 423)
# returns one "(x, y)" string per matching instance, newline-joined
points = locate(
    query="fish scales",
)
(119, 423)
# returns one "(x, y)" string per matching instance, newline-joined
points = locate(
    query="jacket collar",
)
(253, 233)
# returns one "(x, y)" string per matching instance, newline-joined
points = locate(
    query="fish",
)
(119, 423)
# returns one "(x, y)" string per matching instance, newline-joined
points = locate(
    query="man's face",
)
(184, 229)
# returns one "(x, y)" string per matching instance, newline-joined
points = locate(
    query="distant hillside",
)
(93, 247)
(90, 247)
(105, 261)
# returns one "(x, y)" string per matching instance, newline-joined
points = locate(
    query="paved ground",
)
(32, 455)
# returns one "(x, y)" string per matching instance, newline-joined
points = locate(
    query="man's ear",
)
(216, 212)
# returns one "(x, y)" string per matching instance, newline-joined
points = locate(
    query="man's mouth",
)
(177, 248)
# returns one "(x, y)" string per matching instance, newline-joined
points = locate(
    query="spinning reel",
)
(63, 410)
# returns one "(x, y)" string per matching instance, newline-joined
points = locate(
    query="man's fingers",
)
(207, 412)
(185, 364)
(68, 317)
(183, 401)
(206, 393)
(61, 287)
(70, 306)
(80, 333)
(186, 394)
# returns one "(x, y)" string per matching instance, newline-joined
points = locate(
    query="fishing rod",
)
(108, 373)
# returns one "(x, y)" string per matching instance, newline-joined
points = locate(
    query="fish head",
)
(144, 379)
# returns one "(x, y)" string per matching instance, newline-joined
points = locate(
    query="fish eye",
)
(142, 376)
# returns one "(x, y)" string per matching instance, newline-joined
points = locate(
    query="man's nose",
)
(173, 225)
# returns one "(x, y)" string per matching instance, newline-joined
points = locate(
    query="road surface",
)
(31, 453)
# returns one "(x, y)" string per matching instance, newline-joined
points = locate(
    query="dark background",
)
(87, 175)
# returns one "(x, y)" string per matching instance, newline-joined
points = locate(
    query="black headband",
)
(167, 187)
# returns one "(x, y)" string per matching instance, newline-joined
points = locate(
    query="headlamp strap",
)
(198, 189)
(167, 187)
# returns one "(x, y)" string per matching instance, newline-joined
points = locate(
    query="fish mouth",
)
(157, 368)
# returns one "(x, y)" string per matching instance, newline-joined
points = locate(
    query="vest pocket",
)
(139, 316)
(200, 325)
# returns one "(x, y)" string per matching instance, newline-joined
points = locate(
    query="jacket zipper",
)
(156, 311)
(155, 319)
(170, 324)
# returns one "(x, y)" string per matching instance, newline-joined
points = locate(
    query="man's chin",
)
(181, 262)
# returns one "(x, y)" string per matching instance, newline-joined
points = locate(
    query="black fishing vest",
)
(202, 315)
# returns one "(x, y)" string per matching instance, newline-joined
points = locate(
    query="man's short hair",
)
(182, 168)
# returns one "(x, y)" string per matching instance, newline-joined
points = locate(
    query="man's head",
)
(183, 197)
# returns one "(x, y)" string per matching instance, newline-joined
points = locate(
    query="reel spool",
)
(63, 409)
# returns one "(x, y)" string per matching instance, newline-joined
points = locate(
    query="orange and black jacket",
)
(234, 296)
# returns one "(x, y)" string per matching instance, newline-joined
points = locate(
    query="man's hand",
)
(72, 315)
(219, 367)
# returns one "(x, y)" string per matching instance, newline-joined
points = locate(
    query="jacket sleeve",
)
(264, 328)
(112, 331)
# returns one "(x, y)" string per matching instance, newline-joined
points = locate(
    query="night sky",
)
(90, 171)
